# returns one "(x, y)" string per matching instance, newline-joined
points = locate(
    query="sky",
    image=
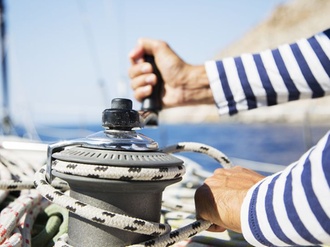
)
(67, 59)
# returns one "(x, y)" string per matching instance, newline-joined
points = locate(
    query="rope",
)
(14, 185)
(15, 240)
(19, 210)
(13, 213)
(118, 173)
(5, 175)
(165, 238)
(200, 148)
(18, 216)
(95, 214)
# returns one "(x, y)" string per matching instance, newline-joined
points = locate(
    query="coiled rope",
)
(162, 231)
(19, 212)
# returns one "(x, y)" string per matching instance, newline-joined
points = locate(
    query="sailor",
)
(291, 207)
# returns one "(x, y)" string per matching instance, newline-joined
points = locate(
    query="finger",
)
(136, 55)
(150, 46)
(231, 171)
(205, 203)
(144, 46)
(143, 80)
(139, 69)
(142, 92)
(237, 171)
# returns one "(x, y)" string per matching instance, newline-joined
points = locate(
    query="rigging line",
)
(7, 125)
(92, 50)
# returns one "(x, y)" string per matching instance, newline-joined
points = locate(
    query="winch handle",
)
(154, 101)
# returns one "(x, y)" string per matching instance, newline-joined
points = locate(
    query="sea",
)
(279, 144)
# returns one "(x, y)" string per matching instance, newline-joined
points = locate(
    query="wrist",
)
(199, 76)
(196, 87)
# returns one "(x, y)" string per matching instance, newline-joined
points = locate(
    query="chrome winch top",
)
(120, 123)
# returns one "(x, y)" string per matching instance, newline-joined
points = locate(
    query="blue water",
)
(271, 143)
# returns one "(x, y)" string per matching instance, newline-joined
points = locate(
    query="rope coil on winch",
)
(165, 238)
(118, 173)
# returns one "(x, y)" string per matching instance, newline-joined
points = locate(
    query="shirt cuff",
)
(246, 219)
(216, 87)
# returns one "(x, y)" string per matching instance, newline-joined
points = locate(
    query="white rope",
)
(27, 221)
(123, 222)
(177, 235)
(120, 173)
(16, 219)
(16, 172)
(14, 185)
(15, 240)
(5, 175)
(200, 148)
(25, 167)
(11, 215)
(95, 214)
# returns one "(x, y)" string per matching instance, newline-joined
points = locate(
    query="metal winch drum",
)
(119, 145)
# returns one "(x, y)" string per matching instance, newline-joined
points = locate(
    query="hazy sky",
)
(68, 59)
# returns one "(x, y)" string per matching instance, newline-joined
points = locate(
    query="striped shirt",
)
(291, 207)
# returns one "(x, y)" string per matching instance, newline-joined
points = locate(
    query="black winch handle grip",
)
(154, 101)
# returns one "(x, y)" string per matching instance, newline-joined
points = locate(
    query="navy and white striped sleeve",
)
(290, 72)
(291, 207)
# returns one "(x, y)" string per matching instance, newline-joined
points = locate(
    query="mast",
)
(7, 127)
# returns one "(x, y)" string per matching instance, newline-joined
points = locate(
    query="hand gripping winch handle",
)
(154, 101)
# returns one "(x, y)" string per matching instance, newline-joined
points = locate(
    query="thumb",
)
(149, 46)
(157, 48)
(216, 228)
(144, 46)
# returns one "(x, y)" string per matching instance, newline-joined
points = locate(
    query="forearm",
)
(197, 88)
(290, 72)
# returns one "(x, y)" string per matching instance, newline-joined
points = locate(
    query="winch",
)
(116, 179)
(105, 170)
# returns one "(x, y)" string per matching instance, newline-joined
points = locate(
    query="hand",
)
(220, 198)
(184, 84)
